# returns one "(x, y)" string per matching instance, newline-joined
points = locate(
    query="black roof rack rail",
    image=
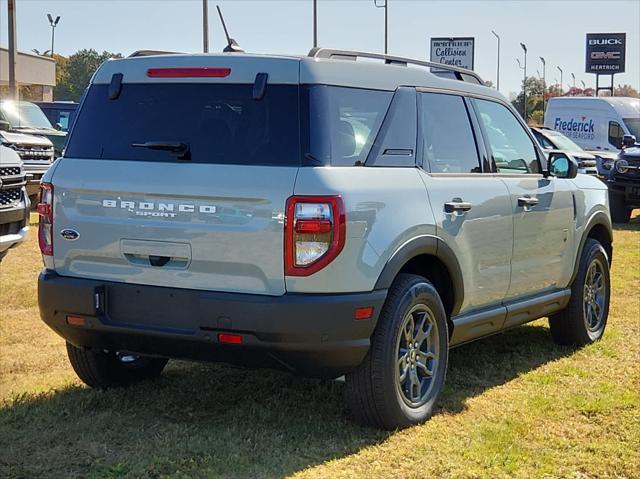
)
(148, 53)
(440, 68)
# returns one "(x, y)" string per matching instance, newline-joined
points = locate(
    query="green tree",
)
(535, 89)
(73, 73)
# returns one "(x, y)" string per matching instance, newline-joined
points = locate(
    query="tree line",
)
(538, 94)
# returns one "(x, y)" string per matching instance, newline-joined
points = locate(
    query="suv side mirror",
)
(5, 125)
(628, 141)
(561, 166)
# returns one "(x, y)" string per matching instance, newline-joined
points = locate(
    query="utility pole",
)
(13, 85)
(53, 24)
(385, 5)
(205, 26)
(561, 87)
(544, 82)
(315, 23)
(498, 67)
(524, 81)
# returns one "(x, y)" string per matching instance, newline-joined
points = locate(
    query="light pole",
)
(384, 5)
(561, 87)
(584, 86)
(544, 82)
(315, 23)
(13, 49)
(53, 24)
(205, 26)
(524, 81)
(498, 67)
(574, 81)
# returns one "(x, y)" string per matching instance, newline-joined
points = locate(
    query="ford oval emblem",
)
(70, 234)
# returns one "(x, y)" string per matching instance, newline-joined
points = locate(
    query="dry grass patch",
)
(515, 405)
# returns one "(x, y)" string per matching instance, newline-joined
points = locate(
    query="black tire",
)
(101, 369)
(375, 393)
(574, 325)
(620, 212)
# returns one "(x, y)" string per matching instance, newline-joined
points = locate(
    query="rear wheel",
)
(103, 369)
(403, 374)
(585, 318)
(620, 212)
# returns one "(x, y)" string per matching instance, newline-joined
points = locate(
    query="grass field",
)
(515, 405)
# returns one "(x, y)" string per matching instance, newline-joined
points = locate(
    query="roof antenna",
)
(232, 45)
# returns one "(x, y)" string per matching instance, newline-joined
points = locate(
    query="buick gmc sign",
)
(605, 52)
(578, 128)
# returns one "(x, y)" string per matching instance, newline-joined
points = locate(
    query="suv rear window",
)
(220, 123)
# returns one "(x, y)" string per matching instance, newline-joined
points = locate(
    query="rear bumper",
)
(311, 334)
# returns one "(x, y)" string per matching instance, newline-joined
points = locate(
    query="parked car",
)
(26, 117)
(624, 183)
(36, 153)
(14, 202)
(321, 214)
(597, 124)
(59, 113)
(551, 140)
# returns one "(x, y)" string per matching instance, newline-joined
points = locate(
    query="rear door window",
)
(448, 142)
(221, 123)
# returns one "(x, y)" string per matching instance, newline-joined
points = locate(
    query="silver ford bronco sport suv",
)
(322, 214)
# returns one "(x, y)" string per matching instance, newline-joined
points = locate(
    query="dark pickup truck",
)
(624, 184)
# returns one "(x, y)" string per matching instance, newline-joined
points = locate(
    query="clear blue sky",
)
(553, 29)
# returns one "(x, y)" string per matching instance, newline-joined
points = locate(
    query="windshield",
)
(633, 124)
(563, 143)
(23, 114)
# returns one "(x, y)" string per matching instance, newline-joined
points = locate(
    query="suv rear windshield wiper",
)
(181, 150)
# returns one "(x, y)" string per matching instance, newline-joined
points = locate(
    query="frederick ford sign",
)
(605, 52)
(453, 51)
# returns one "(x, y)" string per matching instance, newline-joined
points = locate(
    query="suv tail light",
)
(45, 226)
(315, 231)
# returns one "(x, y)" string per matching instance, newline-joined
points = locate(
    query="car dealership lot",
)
(515, 405)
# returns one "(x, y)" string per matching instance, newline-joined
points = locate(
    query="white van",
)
(595, 123)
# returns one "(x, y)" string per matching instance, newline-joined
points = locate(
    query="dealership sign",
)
(605, 53)
(453, 51)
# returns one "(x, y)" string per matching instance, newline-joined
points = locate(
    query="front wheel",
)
(105, 369)
(403, 374)
(585, 317)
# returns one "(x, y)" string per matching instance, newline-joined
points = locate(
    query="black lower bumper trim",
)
(312, 334)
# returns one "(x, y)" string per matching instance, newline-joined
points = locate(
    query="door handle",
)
(527, 201)
(455, 206)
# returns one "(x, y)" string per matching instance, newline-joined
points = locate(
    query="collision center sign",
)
(453, 51)
(605, 52)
